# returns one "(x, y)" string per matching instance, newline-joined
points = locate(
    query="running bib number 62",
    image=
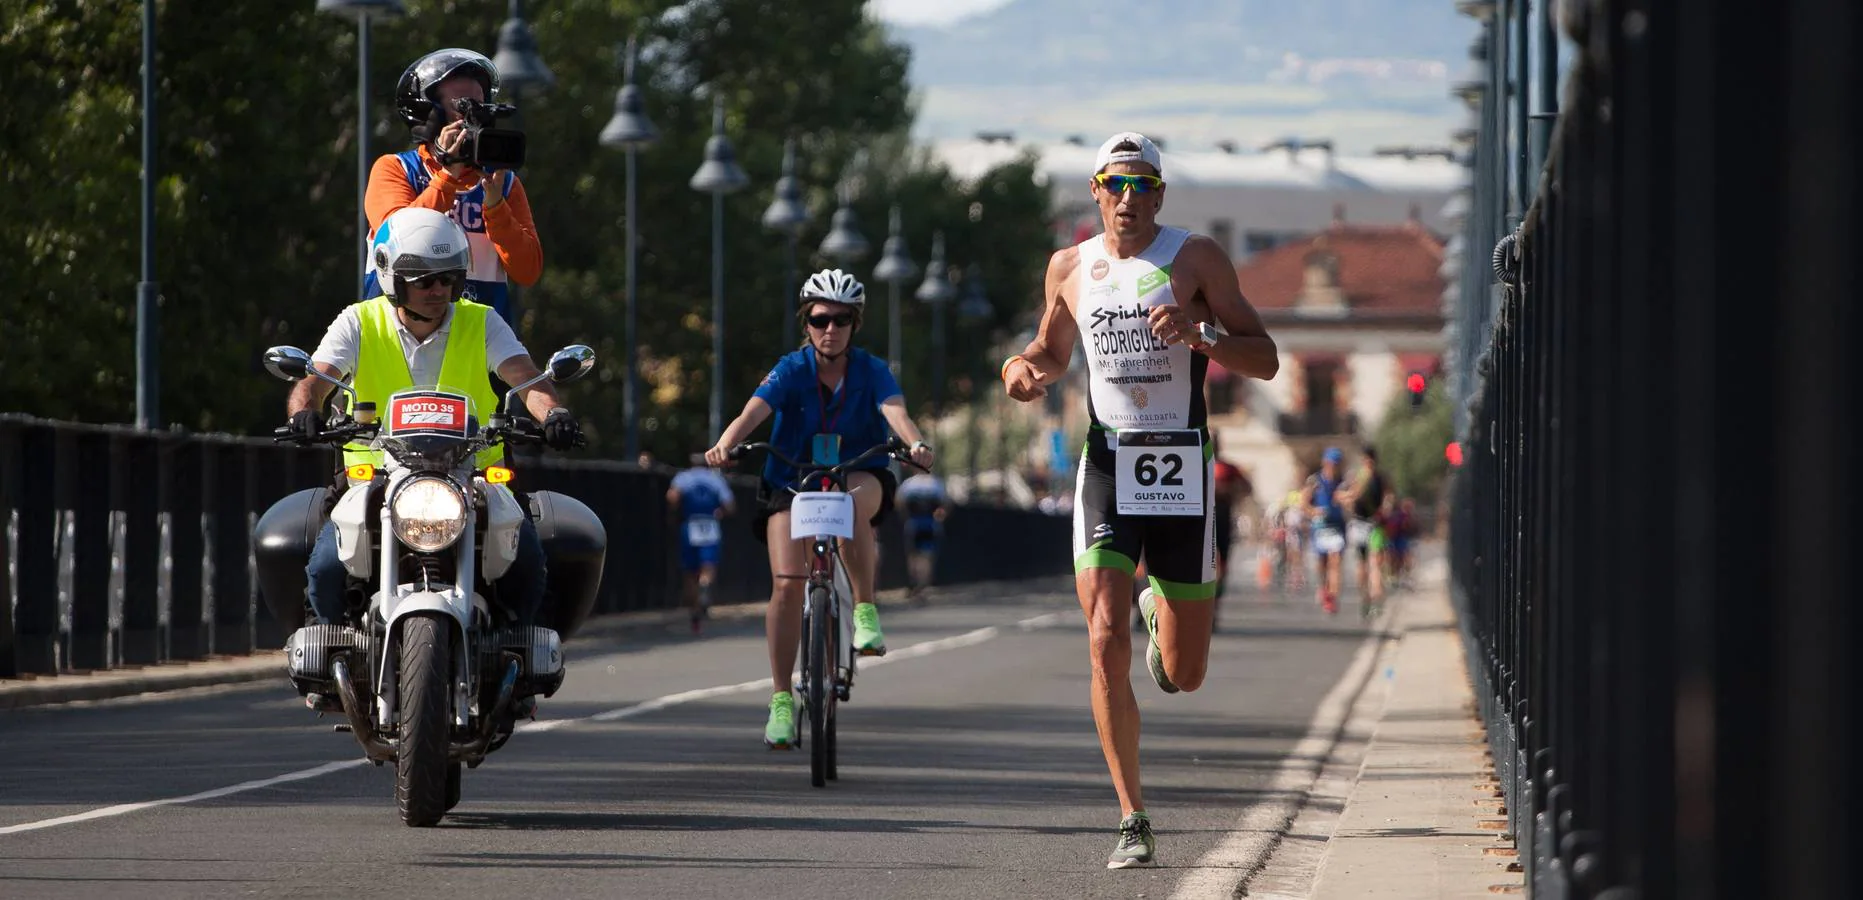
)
(1160, 473)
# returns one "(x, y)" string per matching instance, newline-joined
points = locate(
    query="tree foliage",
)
(255, 233)
(1411, 442)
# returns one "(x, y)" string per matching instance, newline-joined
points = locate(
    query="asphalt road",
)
(969, 767)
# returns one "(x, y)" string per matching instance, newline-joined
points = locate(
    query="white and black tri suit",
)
(1145, 394)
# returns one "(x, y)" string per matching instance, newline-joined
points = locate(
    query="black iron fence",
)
(126, 547)
(1653, 534)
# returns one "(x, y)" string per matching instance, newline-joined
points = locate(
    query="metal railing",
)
(127, 547)
(1651, 532)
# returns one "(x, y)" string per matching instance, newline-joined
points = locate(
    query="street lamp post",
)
(631, 130)
(974, 310)
(936, 290)
(895, 266)
(519, 66)
(845, 245)
(718, 175)
(787, 215)
(364, 12)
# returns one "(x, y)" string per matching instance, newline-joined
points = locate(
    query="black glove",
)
(560, 430)
(306, 424)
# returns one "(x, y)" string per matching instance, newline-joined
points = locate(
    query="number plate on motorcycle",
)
(1159, 473)
(821, 512)
(427, 413)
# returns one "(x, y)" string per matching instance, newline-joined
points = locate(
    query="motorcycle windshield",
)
(430, 427)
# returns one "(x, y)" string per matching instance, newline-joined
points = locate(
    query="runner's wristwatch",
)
(1206, 333)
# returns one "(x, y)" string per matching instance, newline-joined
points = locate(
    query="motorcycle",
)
(427, 671)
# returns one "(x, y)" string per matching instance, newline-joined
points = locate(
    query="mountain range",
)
(1362, 73)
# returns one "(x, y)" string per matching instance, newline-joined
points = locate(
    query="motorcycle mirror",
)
(288, 363)
(571, 362)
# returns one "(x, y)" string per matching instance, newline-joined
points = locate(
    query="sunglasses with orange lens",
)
(1119, 184)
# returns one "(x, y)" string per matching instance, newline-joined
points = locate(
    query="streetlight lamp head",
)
(936, 289)
(629, 127)
(896, 264)
(362, 9)
(844, 243)
(1472, 85)
(518, 63)
(1479, 10)
(720, 173)
(786, 214)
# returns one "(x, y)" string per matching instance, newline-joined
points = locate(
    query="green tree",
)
(256, 206)
(1411, 443)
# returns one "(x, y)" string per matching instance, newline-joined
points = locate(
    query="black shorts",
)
(1179, 551)
(771, 501)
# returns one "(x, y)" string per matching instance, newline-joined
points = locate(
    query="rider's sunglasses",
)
(821, 321)
(1119, 184)
(437, 279)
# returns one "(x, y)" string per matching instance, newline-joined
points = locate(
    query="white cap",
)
(1147, 152)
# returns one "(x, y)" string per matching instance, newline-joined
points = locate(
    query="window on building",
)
(1223, 232)
(1321, 398)
(1257, 241)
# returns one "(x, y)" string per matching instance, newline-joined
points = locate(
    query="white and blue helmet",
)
(415, 242)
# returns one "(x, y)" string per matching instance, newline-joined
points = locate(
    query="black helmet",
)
(414, 92)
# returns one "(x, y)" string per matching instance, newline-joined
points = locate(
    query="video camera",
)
(486, 145)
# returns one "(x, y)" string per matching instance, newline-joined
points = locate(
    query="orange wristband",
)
(1003, 373)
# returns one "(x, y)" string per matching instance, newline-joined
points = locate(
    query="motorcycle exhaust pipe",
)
(372, 746)
(475, 750)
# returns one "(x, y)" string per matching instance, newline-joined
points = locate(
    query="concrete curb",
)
(110, 684)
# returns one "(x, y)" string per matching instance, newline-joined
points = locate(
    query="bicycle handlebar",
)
(892, 447)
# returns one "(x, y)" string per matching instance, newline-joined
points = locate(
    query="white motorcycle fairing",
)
(503, 518)
(351, 516)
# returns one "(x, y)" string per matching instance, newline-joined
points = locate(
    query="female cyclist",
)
(826, 387)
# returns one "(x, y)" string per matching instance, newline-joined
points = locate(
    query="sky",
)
(929, 12)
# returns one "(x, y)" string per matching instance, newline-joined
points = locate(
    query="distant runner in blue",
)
(924, 499)
(699, 497)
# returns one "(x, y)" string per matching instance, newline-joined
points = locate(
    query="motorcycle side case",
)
(575, 546)
(281, 548)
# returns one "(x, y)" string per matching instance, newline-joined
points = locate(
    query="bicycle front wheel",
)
(820, 665)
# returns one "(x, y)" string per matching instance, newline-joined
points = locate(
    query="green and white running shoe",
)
(1136, 848)
(780, 732)
(1154, 658)
(868, 641)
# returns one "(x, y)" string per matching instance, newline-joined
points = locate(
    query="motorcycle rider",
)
(420, 331)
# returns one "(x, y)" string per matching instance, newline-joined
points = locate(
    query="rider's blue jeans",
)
(521, 589)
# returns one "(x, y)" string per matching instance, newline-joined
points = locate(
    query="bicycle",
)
(825, 517)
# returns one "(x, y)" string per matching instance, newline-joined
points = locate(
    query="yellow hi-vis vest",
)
(382, 369)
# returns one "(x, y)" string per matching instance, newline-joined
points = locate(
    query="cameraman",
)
(490, 205)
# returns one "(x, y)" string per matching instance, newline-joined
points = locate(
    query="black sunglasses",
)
(821, 321)
(447, 279)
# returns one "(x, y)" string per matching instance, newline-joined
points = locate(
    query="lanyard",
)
(827, 420)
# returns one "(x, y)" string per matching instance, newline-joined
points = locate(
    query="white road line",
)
(127, 808)
(925, 648)
(1217, 874)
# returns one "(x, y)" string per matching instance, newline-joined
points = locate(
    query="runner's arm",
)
(1045, 359)
(1246, 348)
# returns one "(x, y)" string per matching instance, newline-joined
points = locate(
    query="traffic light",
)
(1417, 385)
(1453, 453)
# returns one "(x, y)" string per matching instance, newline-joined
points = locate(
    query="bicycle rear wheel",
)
(820, 671)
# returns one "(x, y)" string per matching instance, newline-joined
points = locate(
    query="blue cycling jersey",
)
(805, 407)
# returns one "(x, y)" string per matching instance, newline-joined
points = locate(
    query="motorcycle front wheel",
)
(426, 720)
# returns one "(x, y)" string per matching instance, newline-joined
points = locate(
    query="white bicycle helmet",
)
(834, 286)
(415, 242)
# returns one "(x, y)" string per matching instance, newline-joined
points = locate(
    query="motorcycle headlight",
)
(428, 514)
